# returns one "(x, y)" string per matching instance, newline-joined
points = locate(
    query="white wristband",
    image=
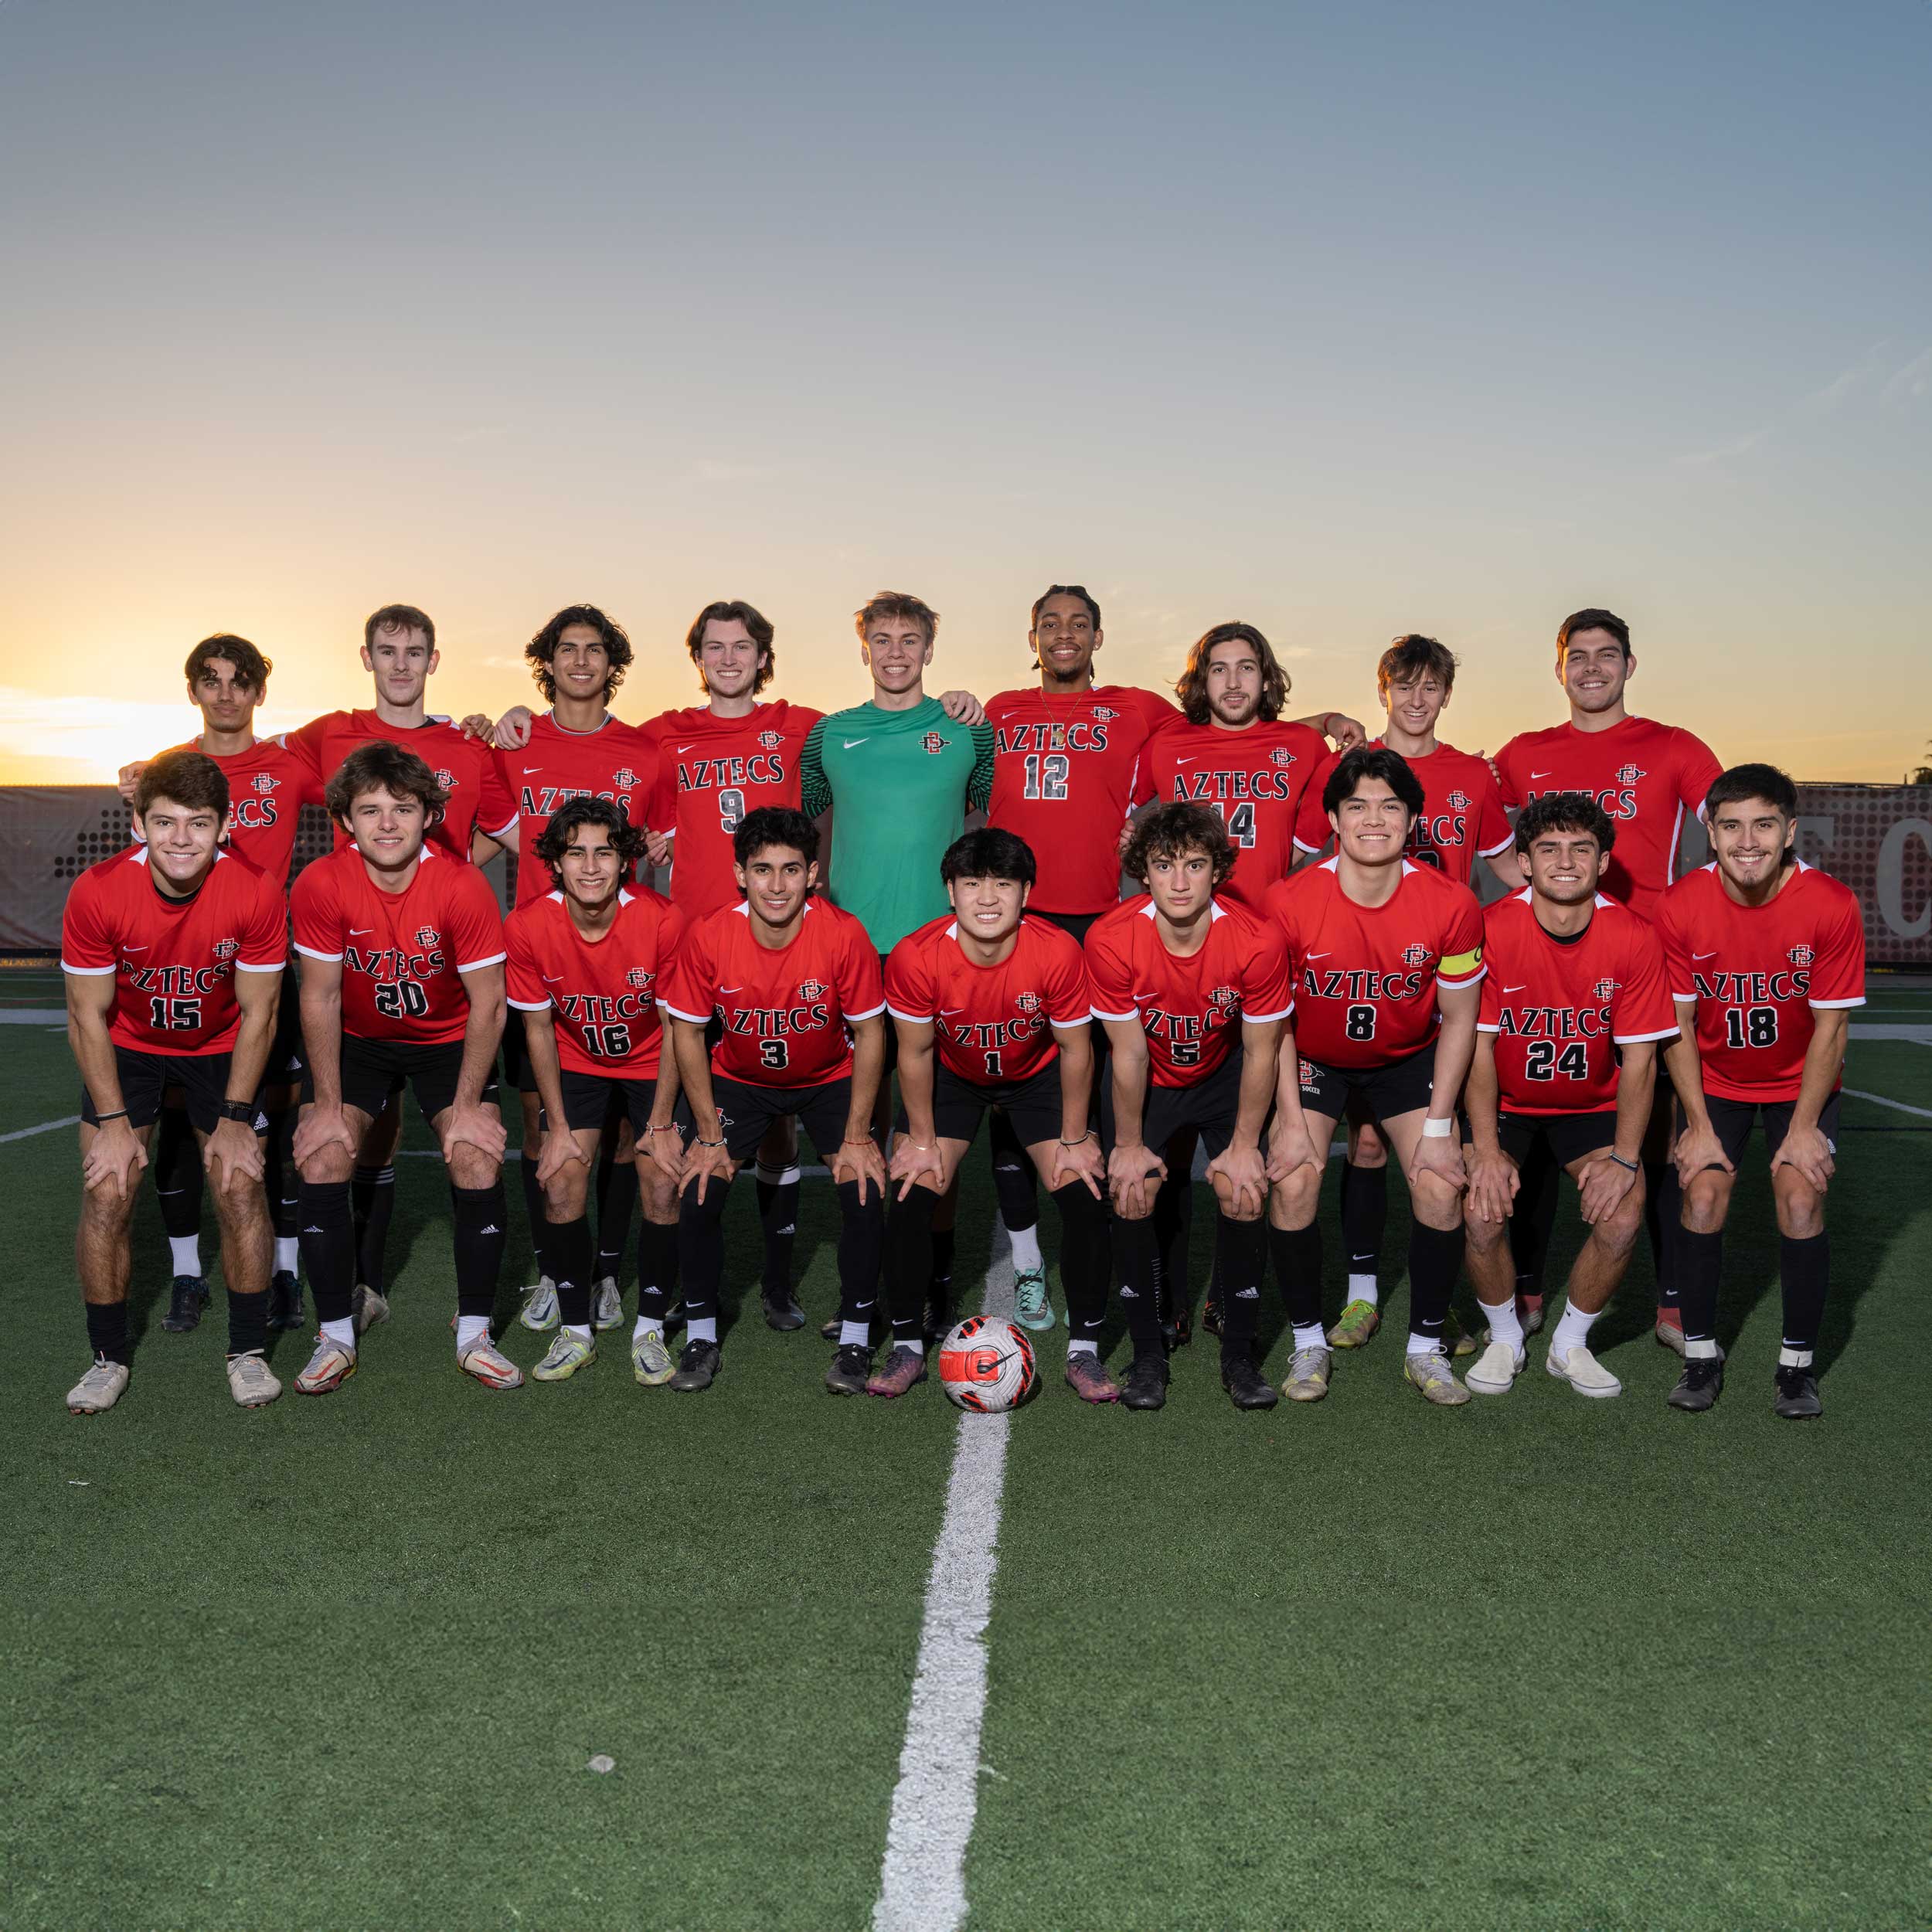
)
(1435, 1130)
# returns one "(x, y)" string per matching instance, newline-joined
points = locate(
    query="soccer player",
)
(1767, 958)
(1646, 776)
(173, 952)
(1193, 991)
(584, 963)
(1461, 817)
(403, 979)
(1387, 959)
(993, 1013)
(795, 983)
(1573, 1006)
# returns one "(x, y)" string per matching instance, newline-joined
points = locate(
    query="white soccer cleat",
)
(606, 1303)
(251, 1380)
(329, 1367)
(650, 1361)
(1583, 1372)
(99, 1390)
(368, 1308)
(488, 1363)
(539, 1313)
(1496, 1373)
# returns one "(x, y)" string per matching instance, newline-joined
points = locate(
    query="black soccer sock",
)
(701, 1248)
(1014, 1181)
(328, 1234)
(568, 1244)
(909, 1255)
(1083, 1260)
(1297, 1252)
(1700, 1261)
(1663, 1205)
(482, 1216)
(178, 1174)
(940, 1282)
(862, 1238)
(1241, 1251)
(539, 1217)
(1134, 1242)
(1365, 1210)
(778, 1221)
(108, 1331)
(1804, 1273)
(280, 1181)
(248, 1322)
(656, 1269)
(1538, 1185)
(1435, 1259)
(616, 1209)
(373, 1190)
(1173, 1222)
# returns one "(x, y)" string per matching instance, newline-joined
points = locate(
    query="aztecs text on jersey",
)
(617, 761)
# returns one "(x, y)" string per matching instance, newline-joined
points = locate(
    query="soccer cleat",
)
(285, 1301)
(1430, 1373)
(1247, 1387)
(1496, 1373)
(674, 1317)
(329, 1367)
(1583, 1372)
(828, 1331)
(539, 1313)
(1529, 1312)
(99, 1390)
(850, 1372)
(251, 1380)
(783, 1312)
(1086, 1376)
(1146, 1384)
(1179, 1332)
(1700, 1385)
(186, 1299)
(487, 1363)
(1797, 1400)
(1210, 1315)
(1670, 1330)
(369, 1308)
(1308, 1377)
(567, 1353)
(650, 1362)
(1358, 1322)
(903, 1369)
(1460, 1342)
(1031, 1307)
(697, 1367)
(606, 1303)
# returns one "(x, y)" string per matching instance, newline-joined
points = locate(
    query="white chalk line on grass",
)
(1853, 1093)
(45, 1126)
(922, 1883)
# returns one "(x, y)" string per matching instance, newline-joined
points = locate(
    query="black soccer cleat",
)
(1211, 1314)
(851, 1370)
(285, 1301)
(1247, 1387)
(1798, 1396)
(186, 1301)
(697, 1367)
(1145, 1386)
(1700, 1385)
(782, 1310)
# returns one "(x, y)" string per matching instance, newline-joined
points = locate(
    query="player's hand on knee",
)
(559, 1150)
(319, 1128)
(664, 1147)
(911, 1161)
(232, 1156)
(1440, 1155)
(1493, 1183)
(1134, 1176)
(860, 1161)
(1240, 1176)
(1807, 1152)
(1603, 1185)
(1697, 1149)
(1080, 1160)
(479, 1127)
(113, 1161)
(706, 1162)
(1289, 1150)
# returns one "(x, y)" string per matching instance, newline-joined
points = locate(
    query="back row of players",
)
(1240, 1006)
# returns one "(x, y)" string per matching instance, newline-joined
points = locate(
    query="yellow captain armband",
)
(1462, 965)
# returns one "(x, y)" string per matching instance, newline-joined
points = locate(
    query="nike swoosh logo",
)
(1542, 774)
(530, 771)
(730, 989)
(948, 1011)
(134, 949)
(1318, 955)
(550, 979)
(848, 742)
(1184, 761)
(684, 747)
(360, 932)
(1709, 955)
(1515, 989)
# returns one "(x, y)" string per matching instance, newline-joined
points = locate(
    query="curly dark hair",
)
(189, 778)
(1171, 831)
(736, 611)
(1373, 761)
(1191, 686)
(382, 766)
(1564, 812)
(540, 652)
(775, 825)
(627, 839)
(251, 668)
(990, 852)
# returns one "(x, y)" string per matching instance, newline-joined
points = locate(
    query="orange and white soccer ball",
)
(987, 1364)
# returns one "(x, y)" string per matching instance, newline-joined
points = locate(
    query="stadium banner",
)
(1877, 839)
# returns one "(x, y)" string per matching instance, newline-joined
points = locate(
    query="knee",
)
(565, 1194)
(659, 1194)
(1800, 1206)
(1236, 1208)
(241, 1207)
(470, 1168)
(1436, 1203)
(327, 1167)
(1367, 1149)
(1292, 1202)
(1483, 1235)
(1705, 1201)
(103, 1212)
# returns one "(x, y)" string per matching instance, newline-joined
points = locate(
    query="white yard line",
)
(45, 1126)
(1923, 1113)
(922, 1884)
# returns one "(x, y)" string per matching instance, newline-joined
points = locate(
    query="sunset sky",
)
(1347, 321)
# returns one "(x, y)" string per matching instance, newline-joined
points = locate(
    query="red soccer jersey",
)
(1462, 812)
(1756, 972)
(402, 954)
(1560, 1009)
(175, 959)
(786, 1010)
(470, 770)
(1257, 780)
(711, 771)
(604, 992)
(1643, 774)
(1365, 977)
(617, 761)
(1190, 1008)
(1067, 774)
(991, 1024)
(268, 785)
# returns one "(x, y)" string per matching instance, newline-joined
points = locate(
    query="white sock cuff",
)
(779, 1177)
(1795, 1358)
(1081, 1348)
(1364, 1288)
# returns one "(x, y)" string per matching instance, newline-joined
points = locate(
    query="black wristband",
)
(1629, 1166)
(119, 1114)
(242, 1110)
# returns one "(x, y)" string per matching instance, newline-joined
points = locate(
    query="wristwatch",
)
(242, 1110)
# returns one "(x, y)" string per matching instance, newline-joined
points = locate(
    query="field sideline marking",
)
(45, 1126)
(922, 1883)
(1923, 1113)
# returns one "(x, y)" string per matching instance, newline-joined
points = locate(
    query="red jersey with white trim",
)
(469, 769)
(788, 1010)
(1645, 775)
(1560, 1009)
(1257, 780)
(1068, 772)
(268, 785)
(1758, 972)
(1462, 813)
(604, 991)
(711, 771)
(1191, 1009)
(617, 761)
(402, 954)
(175, 959)
(1365, 977)
(991, 1024)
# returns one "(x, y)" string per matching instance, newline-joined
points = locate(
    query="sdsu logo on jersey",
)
(1627, 774)
(1800, 956)
(1459, 801)
(811, 990)
(226, 948)
(1281, 756)
(770, 741)
(1415, 955)
(638, 977)
(1028, 1002)
(428, 938)
(1603, 989)
(934, 743)
(623, 780)
(1221, 1001)
(445, 777)
(1104, 714)
(264, 782)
